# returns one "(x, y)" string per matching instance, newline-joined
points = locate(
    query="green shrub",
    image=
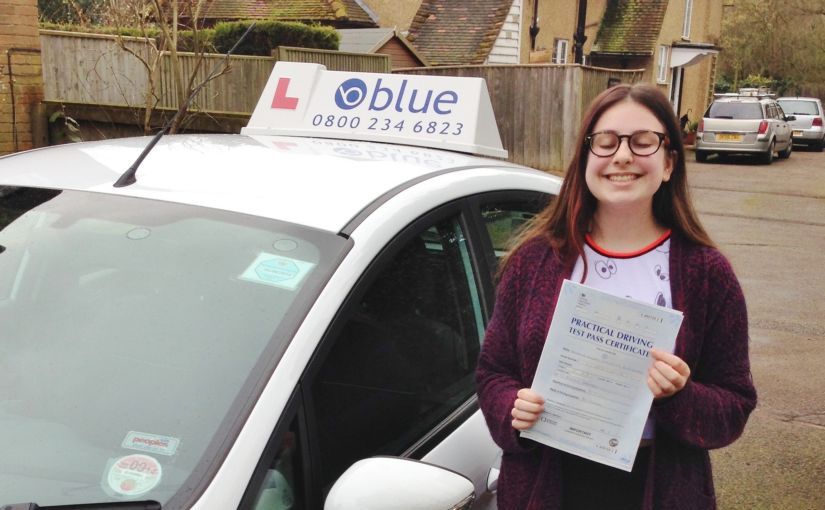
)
(269, 34)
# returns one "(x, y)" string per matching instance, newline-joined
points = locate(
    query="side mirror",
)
(378, 483)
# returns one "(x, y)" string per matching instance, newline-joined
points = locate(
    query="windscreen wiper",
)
(114, 505)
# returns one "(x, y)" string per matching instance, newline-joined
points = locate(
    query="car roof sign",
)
(302, 99)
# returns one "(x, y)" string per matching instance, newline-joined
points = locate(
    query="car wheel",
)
(767, 157)
(701, 156)
(818, 146)
(787, 152)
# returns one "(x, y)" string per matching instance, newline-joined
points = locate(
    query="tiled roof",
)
(630, 27)
(454, 32)
(332, 11)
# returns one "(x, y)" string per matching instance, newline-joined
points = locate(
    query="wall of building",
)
(705, 27)
(507, 46)
(21, 82)
(557, 20)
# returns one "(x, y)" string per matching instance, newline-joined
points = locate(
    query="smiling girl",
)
(623, 223)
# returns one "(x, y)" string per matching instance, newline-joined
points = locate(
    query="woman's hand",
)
(526, 410)
(668, 374)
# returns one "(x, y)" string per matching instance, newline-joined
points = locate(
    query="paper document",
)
(593, 373)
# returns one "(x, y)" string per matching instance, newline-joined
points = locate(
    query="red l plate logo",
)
(281, 100)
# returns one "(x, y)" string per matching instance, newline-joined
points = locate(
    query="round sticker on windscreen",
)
(134, 475)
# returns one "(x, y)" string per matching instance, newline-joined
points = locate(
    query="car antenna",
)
(128, 176)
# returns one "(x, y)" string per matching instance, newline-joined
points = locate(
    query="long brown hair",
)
(566, 219)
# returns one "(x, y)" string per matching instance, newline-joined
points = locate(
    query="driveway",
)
(770, 222)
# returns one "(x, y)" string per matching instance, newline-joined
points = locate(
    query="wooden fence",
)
(538, 108)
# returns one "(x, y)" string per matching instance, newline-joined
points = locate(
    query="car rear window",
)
(732, 110)
(796, 107)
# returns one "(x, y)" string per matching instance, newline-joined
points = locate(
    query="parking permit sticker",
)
(150, 443)
(134, 475)
(284, 272)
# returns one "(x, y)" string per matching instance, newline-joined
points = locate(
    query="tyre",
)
(819, 145)
(767, 157)
(701, 156)
(787, 152)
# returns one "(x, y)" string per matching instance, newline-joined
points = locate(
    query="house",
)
(386, 41)
(467, 32)
(336, 13)
(674, 41)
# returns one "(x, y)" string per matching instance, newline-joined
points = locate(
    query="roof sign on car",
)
(452, 113)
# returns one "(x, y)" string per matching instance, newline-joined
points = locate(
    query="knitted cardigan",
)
(709, 412)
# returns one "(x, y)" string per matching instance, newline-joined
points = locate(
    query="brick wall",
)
(20, 46)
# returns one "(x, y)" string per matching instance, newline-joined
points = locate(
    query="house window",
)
(559, 51)
(661, 71)
(688, 15)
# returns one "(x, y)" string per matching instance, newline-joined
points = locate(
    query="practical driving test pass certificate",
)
(593, 373)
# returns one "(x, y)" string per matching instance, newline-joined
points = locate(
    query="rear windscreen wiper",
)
(114, 505)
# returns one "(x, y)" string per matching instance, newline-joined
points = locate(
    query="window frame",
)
(560, 51)
(686, 25)
(661, 66)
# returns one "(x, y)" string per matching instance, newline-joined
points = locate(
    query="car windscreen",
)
(734, 110)
(135, 337)
(797, 107)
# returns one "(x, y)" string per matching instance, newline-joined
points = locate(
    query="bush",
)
(269, 34)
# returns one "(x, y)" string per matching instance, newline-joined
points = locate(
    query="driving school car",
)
(288, 318)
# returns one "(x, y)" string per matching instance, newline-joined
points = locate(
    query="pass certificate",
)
(593, 373)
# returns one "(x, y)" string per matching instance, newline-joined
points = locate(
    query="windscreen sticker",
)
(284, 272)
(134, 475)
(151, 443)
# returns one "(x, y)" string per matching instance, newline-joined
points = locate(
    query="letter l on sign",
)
(281, 100)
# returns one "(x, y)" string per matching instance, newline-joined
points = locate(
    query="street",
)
(770, 222)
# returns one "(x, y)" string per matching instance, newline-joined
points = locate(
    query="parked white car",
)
(807, 128)
(243, 318)
(744, 123)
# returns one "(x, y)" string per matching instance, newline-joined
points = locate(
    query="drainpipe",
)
(534, 28)
(580, 38)
(11, 89)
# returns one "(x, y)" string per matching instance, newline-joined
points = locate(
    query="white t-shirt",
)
(641, 275)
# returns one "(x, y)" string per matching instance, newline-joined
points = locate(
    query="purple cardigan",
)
(709, 412)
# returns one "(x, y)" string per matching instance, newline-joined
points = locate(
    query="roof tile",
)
(454, 32)
(630, 27)
(346, 12)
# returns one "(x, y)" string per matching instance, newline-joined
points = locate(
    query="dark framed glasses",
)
(641, 143)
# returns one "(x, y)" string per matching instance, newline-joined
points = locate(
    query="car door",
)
(785, 130)
(395, 373)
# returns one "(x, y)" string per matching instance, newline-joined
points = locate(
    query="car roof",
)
(321, 183)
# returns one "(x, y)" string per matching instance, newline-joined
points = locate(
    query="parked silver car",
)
(744, 124)
(808, 127)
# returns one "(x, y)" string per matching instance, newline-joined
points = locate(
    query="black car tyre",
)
(767, 157)
(787, 152)
(701, 156)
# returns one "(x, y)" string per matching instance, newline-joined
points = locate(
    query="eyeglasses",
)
(641, 143)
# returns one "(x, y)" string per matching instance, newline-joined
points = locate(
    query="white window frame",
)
(661, 68)
(560, 47)
(688, 16)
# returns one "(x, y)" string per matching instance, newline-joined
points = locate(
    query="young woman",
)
(623, 222)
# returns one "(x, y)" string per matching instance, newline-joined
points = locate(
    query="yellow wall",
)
(557, 19)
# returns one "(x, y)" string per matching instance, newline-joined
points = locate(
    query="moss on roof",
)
(630, 27)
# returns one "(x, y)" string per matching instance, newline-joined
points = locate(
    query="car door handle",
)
(492, 479)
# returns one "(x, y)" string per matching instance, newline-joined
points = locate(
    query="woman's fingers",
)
(526, 409)
(668, 374)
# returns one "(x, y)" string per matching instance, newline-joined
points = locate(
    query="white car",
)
(256, 313)
(808, 127)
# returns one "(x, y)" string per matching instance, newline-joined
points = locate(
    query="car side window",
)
(504, 220)
(405, 357)
(282, 487)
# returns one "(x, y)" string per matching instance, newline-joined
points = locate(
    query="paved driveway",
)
(770, 222)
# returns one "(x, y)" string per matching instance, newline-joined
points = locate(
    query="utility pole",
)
(579, 38)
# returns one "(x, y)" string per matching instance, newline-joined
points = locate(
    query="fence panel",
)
(92, 68)
(336, 60)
